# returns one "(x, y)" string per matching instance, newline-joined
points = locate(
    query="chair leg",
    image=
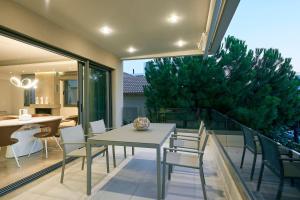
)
(125, 153)
(202, 182)
(202, 172)
(278, 195)
(114, 155)
(46, 148)
(132, 150)
(32, 147)
(82, 165)
(170, 170)
(243, 156)
(260, 175)
(253, 166)
(107, 161)
(15, 156)
(63, 170)
(163, 191)
(57, 143)
(292, 182)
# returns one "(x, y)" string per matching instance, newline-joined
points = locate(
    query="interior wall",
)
(13, 99)
(5, 88)
(17, 99)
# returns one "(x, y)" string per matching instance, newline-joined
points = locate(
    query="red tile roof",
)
(133, 84)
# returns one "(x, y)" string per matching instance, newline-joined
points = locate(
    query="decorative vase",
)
(141, 123)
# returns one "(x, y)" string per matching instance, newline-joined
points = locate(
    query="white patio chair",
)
(74, 145)
(187, 140)
(185, 158)
(98, 127)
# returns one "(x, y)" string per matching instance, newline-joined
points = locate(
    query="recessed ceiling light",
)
(131, 50)
(173, 19)
(180, 43)
(106, 30)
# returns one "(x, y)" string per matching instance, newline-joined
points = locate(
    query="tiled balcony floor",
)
(134, 178)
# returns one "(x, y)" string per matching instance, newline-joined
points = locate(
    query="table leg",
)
(89, 168)
(114, 155)
(158, 174)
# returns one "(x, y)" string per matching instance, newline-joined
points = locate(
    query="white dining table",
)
(25, 135)
(154, 138)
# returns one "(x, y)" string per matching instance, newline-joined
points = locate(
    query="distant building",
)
(134, 98)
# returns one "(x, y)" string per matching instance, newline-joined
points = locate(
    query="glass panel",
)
(29, 94)
(70, 92)
(98, 94)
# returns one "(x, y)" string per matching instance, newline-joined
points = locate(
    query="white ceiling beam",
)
(167, 54)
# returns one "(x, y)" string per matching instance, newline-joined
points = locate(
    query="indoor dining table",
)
(25, 134)
(154, 137)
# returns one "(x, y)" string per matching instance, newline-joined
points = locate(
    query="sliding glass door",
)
(99, 94)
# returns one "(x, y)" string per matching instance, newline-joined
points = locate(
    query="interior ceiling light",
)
(25, 83)
(173, 19)
(131, 50)
(106, 30)
(180, 43)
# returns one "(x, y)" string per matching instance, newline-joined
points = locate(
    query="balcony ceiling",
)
(141, 24)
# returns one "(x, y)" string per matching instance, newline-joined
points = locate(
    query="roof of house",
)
(133, 84)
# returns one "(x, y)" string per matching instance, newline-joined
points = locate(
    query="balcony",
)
(134, 177)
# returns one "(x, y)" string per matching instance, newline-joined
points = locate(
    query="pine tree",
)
(257, 88)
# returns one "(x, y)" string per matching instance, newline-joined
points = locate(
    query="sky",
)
(262, 24)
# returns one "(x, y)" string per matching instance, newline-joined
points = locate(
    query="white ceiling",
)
(20, 58)
(139, 23)
(13, 52)
(57, 66)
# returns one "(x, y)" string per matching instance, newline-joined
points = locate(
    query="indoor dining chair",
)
(6, 140)
(48, 129)
(185, 158)
(74, 145)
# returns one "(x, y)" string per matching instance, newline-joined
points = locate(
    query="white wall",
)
(11, 97)
(117, 96)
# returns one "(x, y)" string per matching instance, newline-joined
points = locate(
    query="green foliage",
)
(257, 88)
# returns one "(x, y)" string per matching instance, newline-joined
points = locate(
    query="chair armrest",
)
(183, 150)
(186, 139)
(290, 159)
(186, 136)
(73, 143)
(178, 133)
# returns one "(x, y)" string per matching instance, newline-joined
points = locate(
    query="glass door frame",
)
(83, 72)
(85, 93)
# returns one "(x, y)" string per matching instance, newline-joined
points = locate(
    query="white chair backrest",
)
(203, 140)
(201, 128)
(73, 134)
(98, 127)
